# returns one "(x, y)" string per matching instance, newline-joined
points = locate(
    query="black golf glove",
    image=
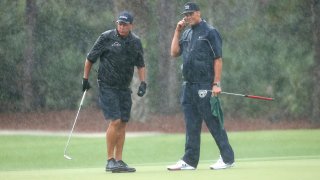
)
(85, 84)
(142, 88)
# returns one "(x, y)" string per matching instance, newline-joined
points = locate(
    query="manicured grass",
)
(291, 154)
(249, 170)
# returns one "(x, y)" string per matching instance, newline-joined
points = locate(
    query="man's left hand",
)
(216, 90)
(142, 88)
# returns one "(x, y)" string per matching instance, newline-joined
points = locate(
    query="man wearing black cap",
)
(201, 50)
(119, 51)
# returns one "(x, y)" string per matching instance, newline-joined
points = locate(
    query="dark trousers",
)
(196, 110)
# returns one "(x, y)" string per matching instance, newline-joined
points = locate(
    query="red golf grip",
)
(259, 97)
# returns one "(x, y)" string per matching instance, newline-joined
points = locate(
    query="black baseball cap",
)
(190, 7)
(125, 17)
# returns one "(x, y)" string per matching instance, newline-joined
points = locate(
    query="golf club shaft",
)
(247, 96)
(234, 94)
(259, 97)
(74, 123)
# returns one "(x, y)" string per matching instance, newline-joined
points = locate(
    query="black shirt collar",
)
(121, 37)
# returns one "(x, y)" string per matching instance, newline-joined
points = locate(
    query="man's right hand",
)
(85, 84)
(181, 25)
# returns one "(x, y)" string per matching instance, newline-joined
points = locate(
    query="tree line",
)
(270, 48)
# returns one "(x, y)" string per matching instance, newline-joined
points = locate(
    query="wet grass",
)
(289, 154)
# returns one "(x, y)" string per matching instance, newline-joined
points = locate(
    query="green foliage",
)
(267, 51)
(64, 33)
(11, 46)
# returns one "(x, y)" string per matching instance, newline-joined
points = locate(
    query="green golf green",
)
(290, 154)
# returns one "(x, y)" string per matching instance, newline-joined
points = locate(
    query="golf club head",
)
(202, 93)
(67, 157)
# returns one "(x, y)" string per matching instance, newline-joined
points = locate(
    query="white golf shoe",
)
(180, 165)
(221, 165)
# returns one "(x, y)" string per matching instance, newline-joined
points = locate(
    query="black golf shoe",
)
(123, 168)
(112, 165)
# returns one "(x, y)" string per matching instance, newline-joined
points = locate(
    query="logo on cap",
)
(125, 17)
(190, 7)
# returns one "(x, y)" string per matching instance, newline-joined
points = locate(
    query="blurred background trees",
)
(271, 48)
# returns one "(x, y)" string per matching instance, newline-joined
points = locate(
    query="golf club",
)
(74, 123)
(203, 93)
